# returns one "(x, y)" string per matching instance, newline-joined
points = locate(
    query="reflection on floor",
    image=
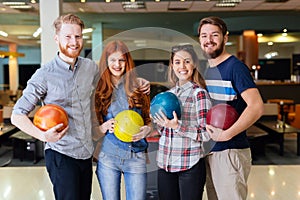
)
(266, 182)
(273, 177)
(31, 183)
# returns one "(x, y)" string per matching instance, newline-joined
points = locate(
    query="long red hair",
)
(105, 85)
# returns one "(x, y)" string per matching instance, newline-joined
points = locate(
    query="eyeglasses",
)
(182, 47)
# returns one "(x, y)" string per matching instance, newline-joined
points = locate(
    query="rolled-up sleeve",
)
(35, 90)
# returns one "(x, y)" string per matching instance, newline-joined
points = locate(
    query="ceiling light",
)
(133, 5)
(227, 3)
(37, 32)
(24, 37)
(21, 7)
(271, 54)
(4, 34)
(260, 34)
(87, 30)
(16, 3)
(229, 43)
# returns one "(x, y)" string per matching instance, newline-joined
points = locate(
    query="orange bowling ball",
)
(49, 116)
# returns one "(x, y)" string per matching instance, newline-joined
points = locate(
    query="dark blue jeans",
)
(71, 178)
(185, 185)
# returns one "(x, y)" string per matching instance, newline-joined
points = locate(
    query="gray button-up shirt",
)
(56, 83)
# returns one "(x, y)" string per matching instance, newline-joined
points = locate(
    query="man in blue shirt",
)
(228, 81)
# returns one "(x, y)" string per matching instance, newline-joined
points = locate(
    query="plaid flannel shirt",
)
(181, 149)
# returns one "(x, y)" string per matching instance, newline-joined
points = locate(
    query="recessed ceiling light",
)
(133, 5)
(227, 3)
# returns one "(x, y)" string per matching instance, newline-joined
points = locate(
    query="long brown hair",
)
(105, 85)
(196, 76)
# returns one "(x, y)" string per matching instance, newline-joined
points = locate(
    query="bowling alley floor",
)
(266, 182)
(272, 177)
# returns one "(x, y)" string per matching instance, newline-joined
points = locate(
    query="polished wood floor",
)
(266, 182)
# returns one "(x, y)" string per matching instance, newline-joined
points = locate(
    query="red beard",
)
(72, 54)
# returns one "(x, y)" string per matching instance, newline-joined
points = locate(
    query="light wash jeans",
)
(112, 165)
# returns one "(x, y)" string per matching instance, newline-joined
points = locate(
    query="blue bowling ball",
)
(167, 102)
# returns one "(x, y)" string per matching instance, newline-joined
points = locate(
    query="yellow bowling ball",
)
(128, 123)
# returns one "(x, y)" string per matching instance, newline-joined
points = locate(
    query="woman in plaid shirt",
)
(182, 173)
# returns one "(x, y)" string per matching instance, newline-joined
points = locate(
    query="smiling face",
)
(183, 66)
(212, 41)
(116, 64)
(70, 42)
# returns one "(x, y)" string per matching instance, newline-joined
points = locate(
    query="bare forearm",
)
(26, 125)
(250, 115)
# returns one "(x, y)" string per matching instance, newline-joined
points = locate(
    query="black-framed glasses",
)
(181, 47)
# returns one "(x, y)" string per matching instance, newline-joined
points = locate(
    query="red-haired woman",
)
(118, 90)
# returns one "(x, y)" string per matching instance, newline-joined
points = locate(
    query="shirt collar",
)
(64, 64)
(184, 87)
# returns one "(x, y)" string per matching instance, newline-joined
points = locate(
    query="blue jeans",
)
(111, 167)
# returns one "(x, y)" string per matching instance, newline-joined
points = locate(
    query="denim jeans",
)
(110, 167)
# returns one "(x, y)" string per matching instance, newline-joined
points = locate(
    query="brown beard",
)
(214, 54)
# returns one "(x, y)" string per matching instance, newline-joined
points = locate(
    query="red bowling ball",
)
(222, 116)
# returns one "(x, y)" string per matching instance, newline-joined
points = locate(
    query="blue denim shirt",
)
(120, 103)
(56, 83)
